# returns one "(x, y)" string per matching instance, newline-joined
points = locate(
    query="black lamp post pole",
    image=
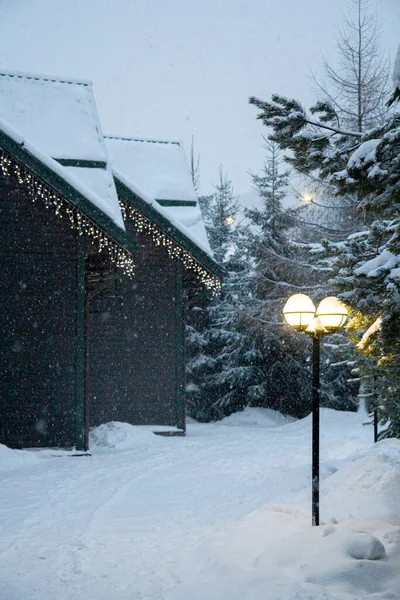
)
(375, 412)
(375, 425)
(315, 429)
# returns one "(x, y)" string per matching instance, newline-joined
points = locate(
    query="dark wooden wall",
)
(37, 322)
(134, 331)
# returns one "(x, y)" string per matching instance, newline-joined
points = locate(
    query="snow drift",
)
(13, 459)
(367, 486)
(355, 558)
(257, 417)
(121, 436)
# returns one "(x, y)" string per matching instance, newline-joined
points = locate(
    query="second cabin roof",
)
(158, 172)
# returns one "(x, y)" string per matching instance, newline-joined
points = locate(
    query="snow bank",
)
(357, 557)
(345, 558)
(121, 436)
(13, 459)
(275, 554)
(257, 417)
(367, 486)
(190, 420)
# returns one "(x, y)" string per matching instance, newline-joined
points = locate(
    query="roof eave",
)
(22, 154)
(168, 228)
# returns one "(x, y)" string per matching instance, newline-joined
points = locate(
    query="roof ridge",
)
(142, 139)
(41, 77)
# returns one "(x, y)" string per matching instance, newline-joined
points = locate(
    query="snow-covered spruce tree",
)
(281, 268)
(357, 89)
(367, 263)
(235, 380)
(353, 96)
(220, 218)
(276, 273)
(222, 368)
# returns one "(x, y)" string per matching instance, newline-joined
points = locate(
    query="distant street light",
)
(299, 312)
(307, 198)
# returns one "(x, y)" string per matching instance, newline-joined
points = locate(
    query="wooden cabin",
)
(145, 381)
(95, 271)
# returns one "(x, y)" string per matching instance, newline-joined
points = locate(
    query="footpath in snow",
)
(223, 514)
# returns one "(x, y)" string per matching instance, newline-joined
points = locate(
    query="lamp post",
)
(299, 312)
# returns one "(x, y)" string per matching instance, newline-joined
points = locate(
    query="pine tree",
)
(272, 220)
(276, 272)
(351, 100)
(366, 264)
(223, 366)
(234, 381)
(220, 218)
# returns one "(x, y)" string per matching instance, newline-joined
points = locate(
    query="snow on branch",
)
(376, 326)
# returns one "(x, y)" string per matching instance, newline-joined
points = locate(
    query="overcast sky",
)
(176, 68)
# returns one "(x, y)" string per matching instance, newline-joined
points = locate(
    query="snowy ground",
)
(223, 514)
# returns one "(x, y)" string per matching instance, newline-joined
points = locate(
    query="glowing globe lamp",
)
(332, 313)
(299, 311)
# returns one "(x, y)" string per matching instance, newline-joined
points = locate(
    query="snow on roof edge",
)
(52, 164)
(133, 187)
(160, 209)
(126, 138)
(40, 76)
(11, 132)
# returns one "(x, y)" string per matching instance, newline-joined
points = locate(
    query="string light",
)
(85, 226)
(143, 225)
(64, 209)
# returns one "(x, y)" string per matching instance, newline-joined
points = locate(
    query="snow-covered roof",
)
(158, 172)
(59, 118)
(157, 166)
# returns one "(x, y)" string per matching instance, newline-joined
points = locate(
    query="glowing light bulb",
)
(299, 311)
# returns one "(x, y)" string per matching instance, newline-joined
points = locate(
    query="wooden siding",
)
(37, 322)
(132, 344)
(135, 348)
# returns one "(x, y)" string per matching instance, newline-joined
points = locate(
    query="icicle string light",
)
(64, 209)
(143, 225)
